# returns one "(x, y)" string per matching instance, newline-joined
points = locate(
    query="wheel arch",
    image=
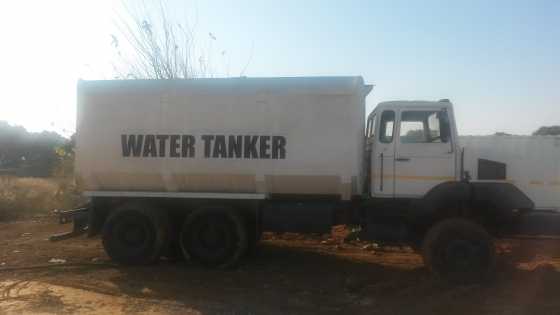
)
(445, 195)
(501, 195)
(488, 203)
(498, 195)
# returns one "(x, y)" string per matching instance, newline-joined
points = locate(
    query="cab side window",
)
(387, 126)
(424, 127)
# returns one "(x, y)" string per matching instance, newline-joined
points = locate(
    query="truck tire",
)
(214, 237)
(135, 234)
(459, 250)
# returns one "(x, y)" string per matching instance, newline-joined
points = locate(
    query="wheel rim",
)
(210, 237)
(133, 234)
(463, 256)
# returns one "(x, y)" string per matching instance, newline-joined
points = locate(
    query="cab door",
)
(383, 155)
(425, 155)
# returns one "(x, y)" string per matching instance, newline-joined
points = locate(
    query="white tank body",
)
(242, 135)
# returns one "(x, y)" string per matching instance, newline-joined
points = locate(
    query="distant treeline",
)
(24, 153)
(548, 131)
(542, 131)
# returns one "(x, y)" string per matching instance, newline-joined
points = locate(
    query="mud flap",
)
(80, 218)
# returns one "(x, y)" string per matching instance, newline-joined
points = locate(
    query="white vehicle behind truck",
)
(532, 163)
(206, 165)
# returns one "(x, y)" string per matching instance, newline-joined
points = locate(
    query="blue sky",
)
(498, 61)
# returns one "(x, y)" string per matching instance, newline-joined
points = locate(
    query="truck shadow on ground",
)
(282, 279)
(292, 280)
(276, 279)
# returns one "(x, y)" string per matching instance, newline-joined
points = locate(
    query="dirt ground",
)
(290, 274)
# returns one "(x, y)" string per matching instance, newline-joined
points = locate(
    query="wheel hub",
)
(462, 255)
(213, 237)
(132, 234)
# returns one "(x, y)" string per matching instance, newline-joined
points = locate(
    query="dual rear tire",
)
(135, 234)
(214, 237)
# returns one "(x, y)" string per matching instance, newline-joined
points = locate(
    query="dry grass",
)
(25, 197)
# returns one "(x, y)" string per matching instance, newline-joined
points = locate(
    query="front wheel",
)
(459, 250)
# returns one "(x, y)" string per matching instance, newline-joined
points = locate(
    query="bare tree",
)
(155, 47)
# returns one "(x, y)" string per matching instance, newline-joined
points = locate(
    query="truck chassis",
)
(452, 227)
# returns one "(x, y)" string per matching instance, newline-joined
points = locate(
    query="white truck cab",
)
(411, 147)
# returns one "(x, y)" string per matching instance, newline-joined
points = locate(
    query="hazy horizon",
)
(497, 62)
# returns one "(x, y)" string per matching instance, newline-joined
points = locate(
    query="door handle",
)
(402, 159)
(381, 172)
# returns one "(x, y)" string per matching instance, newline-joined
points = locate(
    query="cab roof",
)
(403, 104)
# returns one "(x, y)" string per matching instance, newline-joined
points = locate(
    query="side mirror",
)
(445, 126)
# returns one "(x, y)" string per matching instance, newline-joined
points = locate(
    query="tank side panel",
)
(318, 125)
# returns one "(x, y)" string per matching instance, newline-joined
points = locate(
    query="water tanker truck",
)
(206, 165)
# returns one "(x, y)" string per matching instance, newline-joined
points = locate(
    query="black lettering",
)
(235, 144)
(250, 147)
(150, 146)
(187, 146)
(131, 144)
(207, 142)
(174, 146)
(162, 144)
(220, 147)
(265, 147)
(278, 147)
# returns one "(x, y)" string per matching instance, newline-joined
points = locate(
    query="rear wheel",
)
(215, 237)
(459, 250)
(135, 234)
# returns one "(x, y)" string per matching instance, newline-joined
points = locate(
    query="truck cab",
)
(417, 191)
(411, 147)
